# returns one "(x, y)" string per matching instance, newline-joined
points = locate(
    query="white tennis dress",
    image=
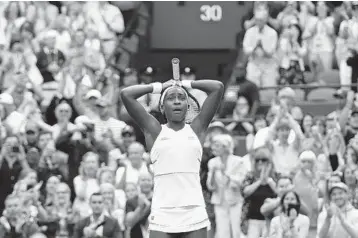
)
(178, 203)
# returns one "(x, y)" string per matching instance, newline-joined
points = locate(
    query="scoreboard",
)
(196, 25)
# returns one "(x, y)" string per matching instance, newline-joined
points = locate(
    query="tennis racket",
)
(194, 106)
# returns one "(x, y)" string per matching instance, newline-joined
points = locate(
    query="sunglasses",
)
(263, 160)
(30, 132)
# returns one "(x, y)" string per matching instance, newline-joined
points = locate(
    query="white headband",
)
(167, 90)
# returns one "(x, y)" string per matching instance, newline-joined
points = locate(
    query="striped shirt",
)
(102, 127)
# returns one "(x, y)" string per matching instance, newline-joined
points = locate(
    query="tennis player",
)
(178, 208)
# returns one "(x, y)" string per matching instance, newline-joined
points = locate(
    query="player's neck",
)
(176, 126)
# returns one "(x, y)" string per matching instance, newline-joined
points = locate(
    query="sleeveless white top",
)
(176, 157)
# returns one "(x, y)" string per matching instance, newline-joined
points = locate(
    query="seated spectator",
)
(259, 45)
(98, 224)
(290, 222)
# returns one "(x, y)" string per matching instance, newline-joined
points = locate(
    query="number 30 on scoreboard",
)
(211, 13)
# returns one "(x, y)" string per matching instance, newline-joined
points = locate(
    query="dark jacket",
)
(111, 228)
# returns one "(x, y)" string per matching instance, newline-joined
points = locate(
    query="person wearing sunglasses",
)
(258, 185)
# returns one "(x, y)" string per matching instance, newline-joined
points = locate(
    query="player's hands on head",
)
(169, 83)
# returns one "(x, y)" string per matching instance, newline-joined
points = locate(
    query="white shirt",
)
(63, 42)
(336, 229)
(103, 16)
(301, 226)
(132, 174)
(268, 37)
(176, 158)
(112, 124)
(322, 41)
(225, 192)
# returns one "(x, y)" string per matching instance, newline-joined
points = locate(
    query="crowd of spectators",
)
(76, 165)
(284, 40)
(299, 177)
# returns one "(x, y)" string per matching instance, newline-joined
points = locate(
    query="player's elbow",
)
(219, 86)
(125, 93)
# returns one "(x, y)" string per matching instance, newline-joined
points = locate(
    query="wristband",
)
(157, 88)
(186, 84)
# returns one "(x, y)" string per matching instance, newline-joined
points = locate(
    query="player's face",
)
(175, 105)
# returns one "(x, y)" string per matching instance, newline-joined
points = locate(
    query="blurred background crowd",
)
(280, 159)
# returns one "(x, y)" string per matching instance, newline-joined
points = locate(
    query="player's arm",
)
(149, 124)
(136, 110)
(215, 91)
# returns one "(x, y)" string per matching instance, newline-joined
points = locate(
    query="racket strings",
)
(193, 110)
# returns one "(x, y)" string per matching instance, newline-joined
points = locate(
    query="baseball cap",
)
(340, 185)
(286, 92)
(217, 125)
(6, 98)
(93, 93)
(307, 155)
(128, 130)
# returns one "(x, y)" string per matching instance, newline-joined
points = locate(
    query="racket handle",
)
(176, 69)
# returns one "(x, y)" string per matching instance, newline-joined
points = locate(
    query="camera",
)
(293, 206)
(15, 149)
